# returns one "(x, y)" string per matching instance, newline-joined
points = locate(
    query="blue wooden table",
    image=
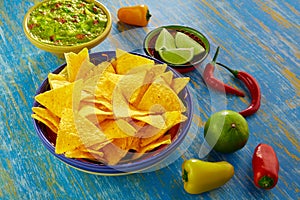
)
(260, 37)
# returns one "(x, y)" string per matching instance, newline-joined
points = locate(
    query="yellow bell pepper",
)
(138, 15)
(202, 176)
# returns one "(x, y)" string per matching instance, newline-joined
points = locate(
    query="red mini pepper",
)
(253, 88)
(265, 166)
(211, 81)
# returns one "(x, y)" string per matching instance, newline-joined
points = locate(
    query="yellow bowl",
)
(59, 50)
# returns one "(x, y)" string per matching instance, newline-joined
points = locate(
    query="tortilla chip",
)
(100, 103)
(92, 76)
(56, 100)
(48, 123)
(119, 53)
(157, 69)
(162, 140)
(165, 140)
(56, 84)
(137, 124)
(46, 114)
(89, 110)
(161, 81)
(64, 73)
(99, 146)
(122, 109)
(126, 62)
(74, 131)
(56, 80)
(179, 83)
(130, 85)
(160, 98)
(86, 68)
(150, 133)
(153, 69)
(113, 154)
(103, 104)
(74, 63)
(78, 153)
(156, 121)
(86, 153)
(117, 128)
(106, 86)
(111, 112)
(93, 153)
(137, 96)
(95, 114)
(124, 143)
(167, 77)
(57, 77)
(119, 104)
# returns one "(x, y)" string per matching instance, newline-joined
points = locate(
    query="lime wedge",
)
(177, 56)
(184, 41)
(165, 40)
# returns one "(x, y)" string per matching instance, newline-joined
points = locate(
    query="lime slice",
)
(165, 40)
(177, 56)
(184, 41)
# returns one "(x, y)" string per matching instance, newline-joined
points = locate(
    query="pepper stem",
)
(215, 56)
(234, 72)
(148, 15)
(185, 176)
(266, 182)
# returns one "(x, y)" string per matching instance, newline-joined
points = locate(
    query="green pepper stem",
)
(266, 182)
(234, 72)
(148, 15)
(215, 56)
(185, 176)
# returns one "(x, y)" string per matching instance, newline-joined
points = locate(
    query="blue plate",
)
(152, 158)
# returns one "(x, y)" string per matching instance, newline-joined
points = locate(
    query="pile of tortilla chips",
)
(113, 111)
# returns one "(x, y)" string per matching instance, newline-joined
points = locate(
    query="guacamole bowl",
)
(159, 156)
(67, 26)
(151, 38)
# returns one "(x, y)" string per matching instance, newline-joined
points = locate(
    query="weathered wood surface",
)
(260, 37)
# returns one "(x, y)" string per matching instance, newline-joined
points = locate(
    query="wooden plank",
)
(260, 37)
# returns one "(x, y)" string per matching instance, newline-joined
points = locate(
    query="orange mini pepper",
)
(138, 15)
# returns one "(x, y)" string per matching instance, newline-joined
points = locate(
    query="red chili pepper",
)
(253, 88)
(211, 81)
(265, 166)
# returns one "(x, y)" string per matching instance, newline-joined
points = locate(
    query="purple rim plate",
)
(179, 132)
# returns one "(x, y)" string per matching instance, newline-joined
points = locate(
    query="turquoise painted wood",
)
(260, 37)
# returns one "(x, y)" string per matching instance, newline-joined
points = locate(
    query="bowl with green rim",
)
(62, 26)
(149, 46)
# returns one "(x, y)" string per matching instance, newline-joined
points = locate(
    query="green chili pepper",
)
(202, 176)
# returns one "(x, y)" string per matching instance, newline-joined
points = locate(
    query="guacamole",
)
(66, 22)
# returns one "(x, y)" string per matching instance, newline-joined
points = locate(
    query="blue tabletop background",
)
(260, 37)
